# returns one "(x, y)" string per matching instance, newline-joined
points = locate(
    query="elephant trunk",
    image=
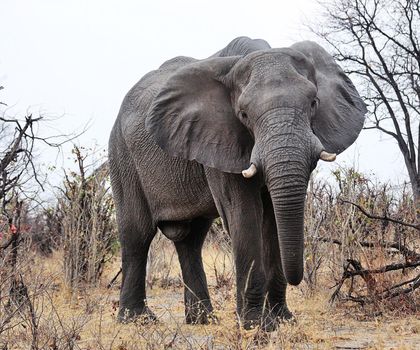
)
(288, 203)
(286, 160)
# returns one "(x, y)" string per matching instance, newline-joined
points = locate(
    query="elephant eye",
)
(315, 102)
(243, 114)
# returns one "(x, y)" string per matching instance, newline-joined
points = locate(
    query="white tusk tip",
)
(327, 157)
(250, 172)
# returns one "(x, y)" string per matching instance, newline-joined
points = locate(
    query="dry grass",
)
(88, 320)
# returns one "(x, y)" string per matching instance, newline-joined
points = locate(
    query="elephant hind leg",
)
(134, 260)
(136, 231)
(198, 307)
(136, 237)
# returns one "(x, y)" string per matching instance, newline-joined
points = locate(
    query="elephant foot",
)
(276, 316)
(283, 314)
(200, 313)
(142, 315)
(271, 319)
(252, 319)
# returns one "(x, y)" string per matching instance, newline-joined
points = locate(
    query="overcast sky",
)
(78, 58)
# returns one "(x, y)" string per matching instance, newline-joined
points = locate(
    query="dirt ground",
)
(88, 320)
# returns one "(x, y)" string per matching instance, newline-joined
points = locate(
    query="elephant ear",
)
(192, 117)
(341, 113)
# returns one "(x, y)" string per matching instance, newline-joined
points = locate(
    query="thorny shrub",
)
(341, 239)
(88, 224)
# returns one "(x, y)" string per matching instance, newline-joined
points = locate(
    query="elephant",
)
(236, 136)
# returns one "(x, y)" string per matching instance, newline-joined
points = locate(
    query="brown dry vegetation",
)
(41, 307)
(88, 320)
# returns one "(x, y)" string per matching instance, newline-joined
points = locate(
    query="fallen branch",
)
(415, 284)
(408, 253)
(387, 268)
(371, 283)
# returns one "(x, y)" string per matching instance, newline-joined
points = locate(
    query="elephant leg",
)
(238, 201)
(134, 260)
(198, 307)
(276, 283)
(136, 230)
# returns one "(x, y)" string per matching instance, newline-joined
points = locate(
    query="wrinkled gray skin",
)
(182, 137)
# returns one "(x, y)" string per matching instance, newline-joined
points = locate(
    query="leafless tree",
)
(20, 183)
(17, 168)
(378, 41)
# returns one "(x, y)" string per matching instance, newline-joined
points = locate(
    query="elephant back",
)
(242, 46)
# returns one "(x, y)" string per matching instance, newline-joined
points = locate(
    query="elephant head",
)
(275, 112)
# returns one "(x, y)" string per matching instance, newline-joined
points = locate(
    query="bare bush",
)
(88, 223)
(34, 322)
(357, 234)
(46, 230)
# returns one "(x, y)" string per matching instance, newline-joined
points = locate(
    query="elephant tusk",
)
(250, 172)
(328, 157)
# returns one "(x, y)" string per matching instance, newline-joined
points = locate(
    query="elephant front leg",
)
(276, 284)
(249, 276)
(239, 204)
